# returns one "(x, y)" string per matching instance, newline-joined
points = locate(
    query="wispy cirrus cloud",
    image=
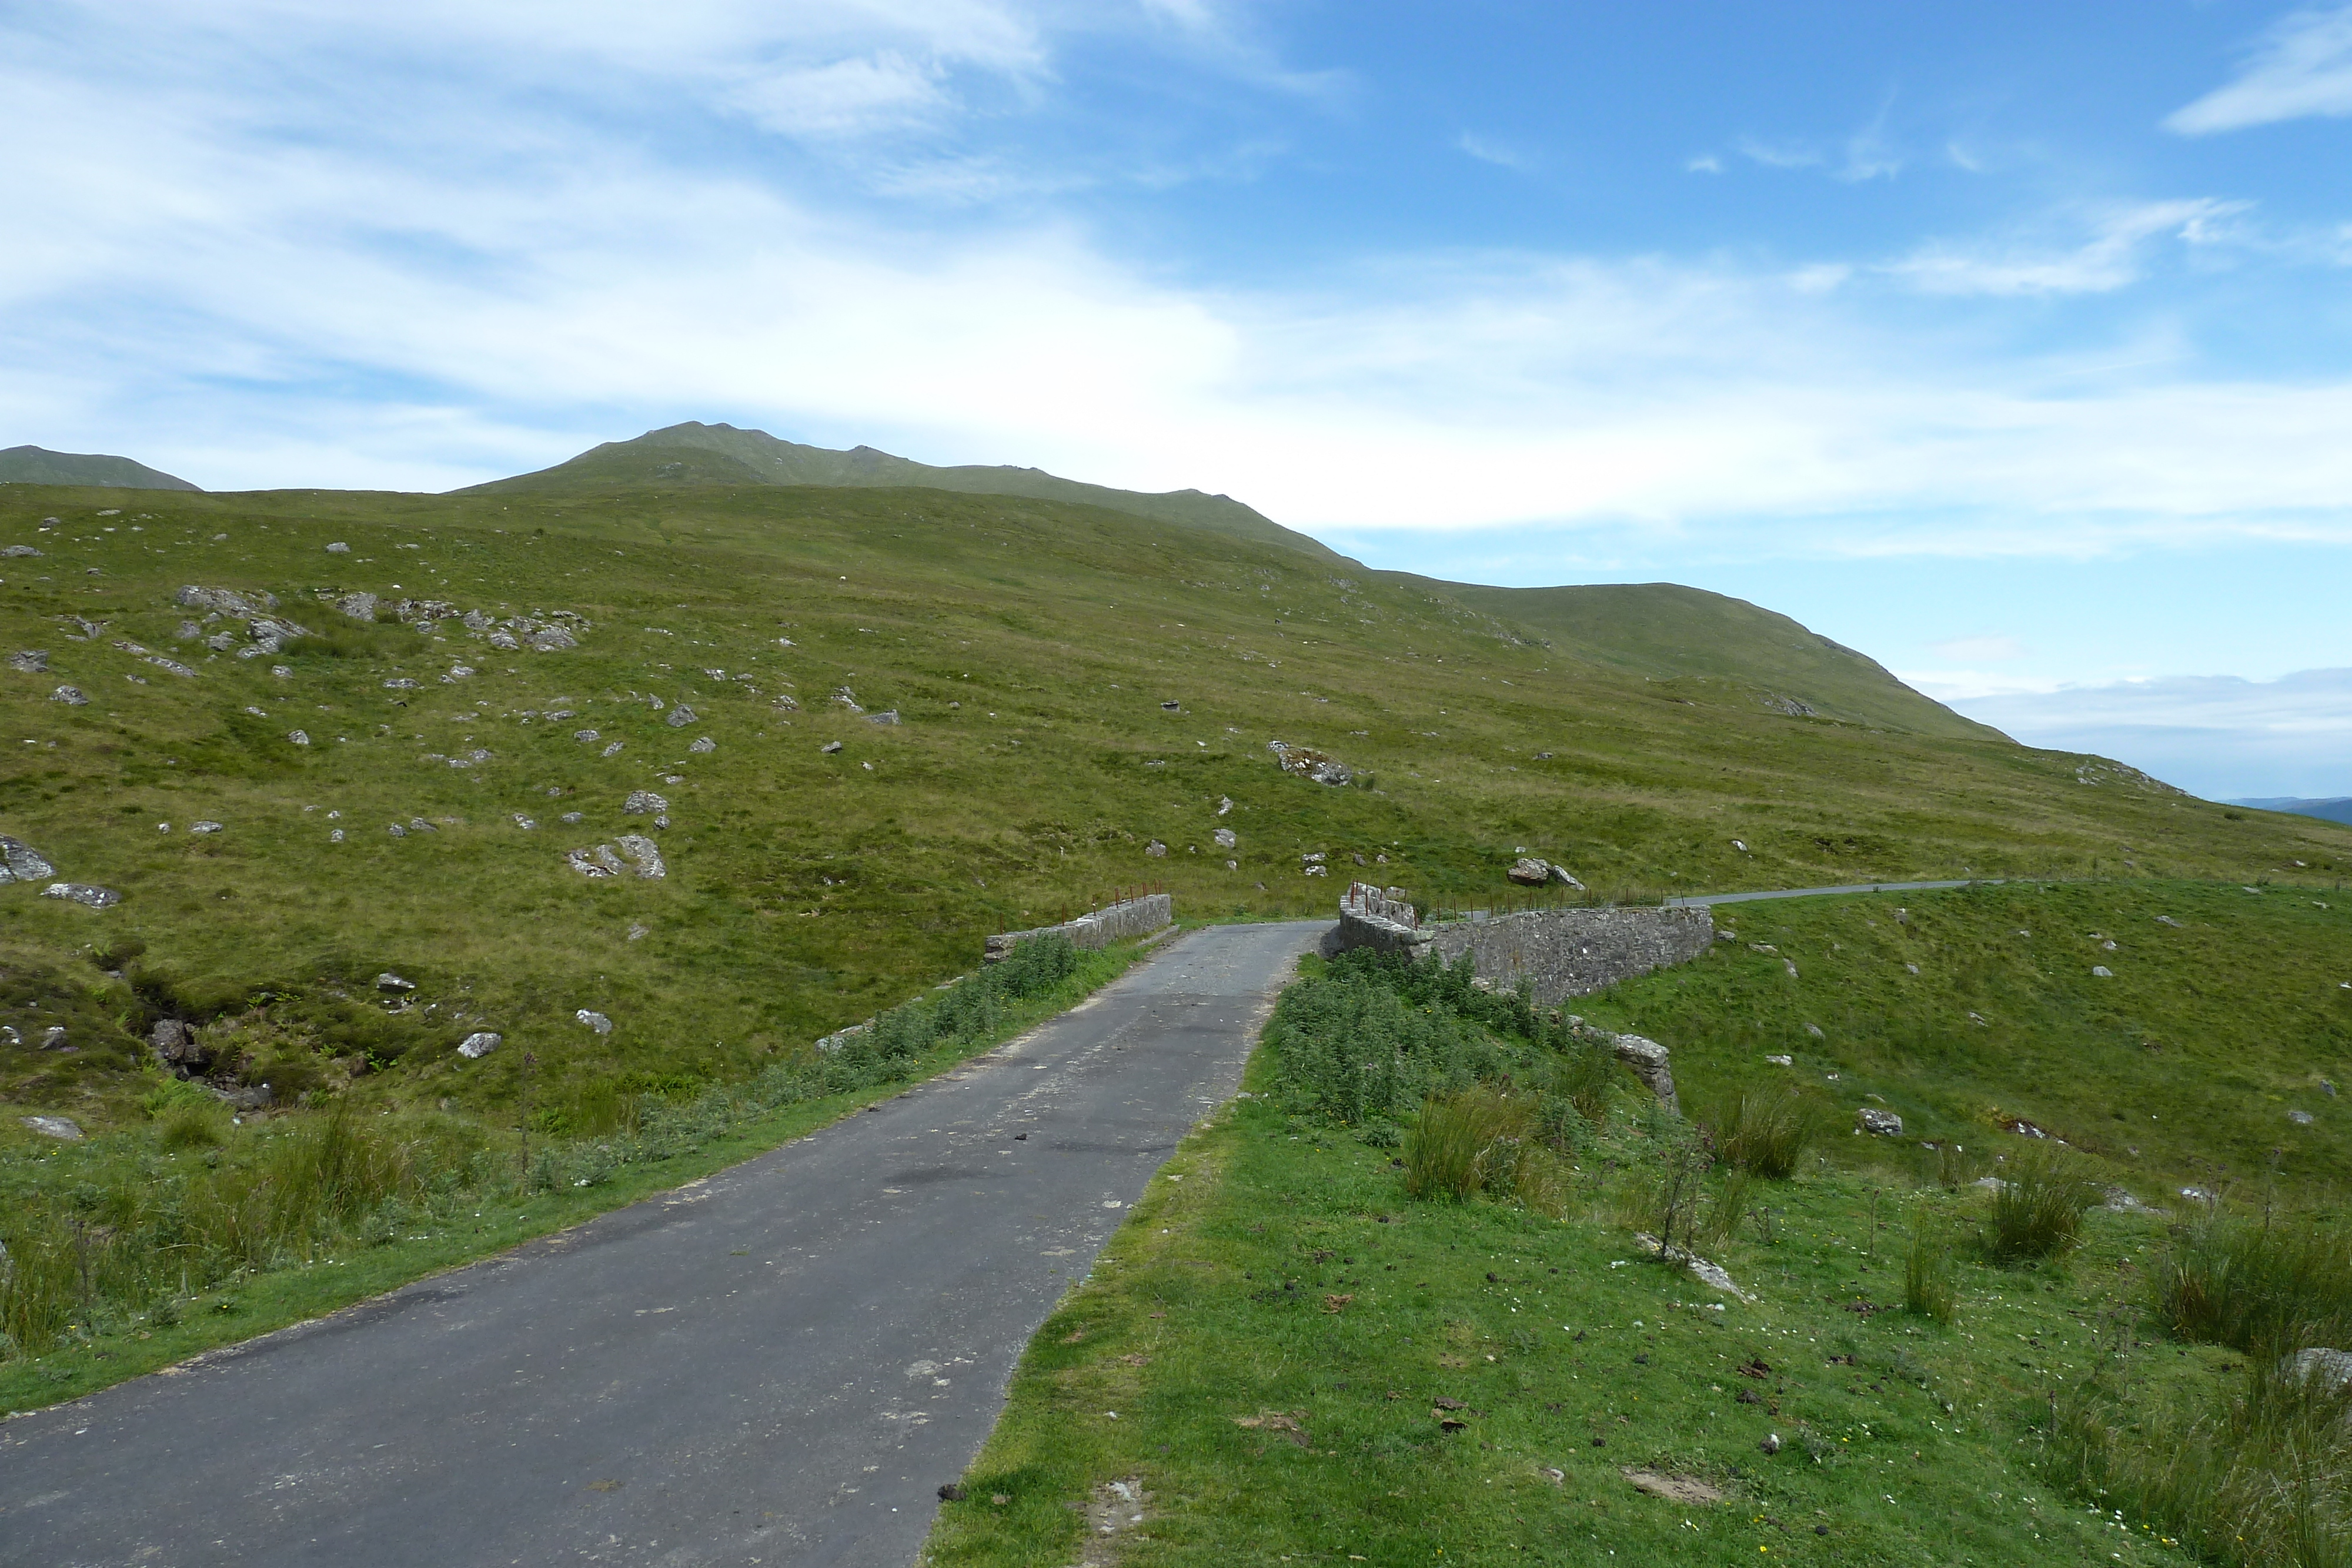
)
(2301, 66)
(2112, 257)
(1487, 149)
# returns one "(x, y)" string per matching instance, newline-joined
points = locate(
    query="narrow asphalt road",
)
(779, 1364)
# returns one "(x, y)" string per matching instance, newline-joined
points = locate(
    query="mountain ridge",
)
(39, 466)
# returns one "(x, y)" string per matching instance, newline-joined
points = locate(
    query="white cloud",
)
(1705, 163)
(2111, 259)
(2301, 66)
(2217, 736)
(1488, 150)
(847, 97)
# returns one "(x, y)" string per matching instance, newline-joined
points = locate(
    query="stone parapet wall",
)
(1100, 928)
(1553, 953)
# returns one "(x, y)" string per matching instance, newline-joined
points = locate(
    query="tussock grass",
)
(2262, 1286)
(1462, 1143)
(1929, 1289)
(1765, 1131)
(2037, 1211)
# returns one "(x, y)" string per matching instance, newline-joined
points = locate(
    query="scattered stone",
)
(641, 801)
(2120, 1201)
(574, 816)
(847, 700)
(644, 852)
(1740, 847)
(2103, 972)
(585, 863)
(402, 684)
(787, 703)
(335, 836)
(55, 1127)
(680, 716)
(2335, 1366)
(703, 743)
(1650, 1062)
(1322, 768)
(30, 661)
(53, 1038)
(525, 823)
(1225, 838)
(1883, 1123)
(1673, 1487)
(17, 552)
(2300, 1118)
(19, 862)
(1815, 1030)
(69, 695)
(829, 747)
(419, 825)
(1772, 1443)
(83, 893)
(550, 639)
(614, 749)
(357, 606)
(205, 827)
(1530, 872)
(1781, 1060)
(339, 547)
(2198, 1193)
(1224, 804)
(479, 1044)
(459, 673)
(594, 1020)
(585, 735)
(298, 737)
(887, 716)
(1156, 849)
(639, 932)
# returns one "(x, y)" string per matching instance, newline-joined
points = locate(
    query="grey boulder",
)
(1882, 1123)
(641, 801)
(479, 1044)
(69, 695)
(30, 661)
(594, 1020)
(55, 1127)
(680, 716)
(20, 862)
(83, 893)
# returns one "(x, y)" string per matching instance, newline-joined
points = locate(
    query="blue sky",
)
(2008, 343)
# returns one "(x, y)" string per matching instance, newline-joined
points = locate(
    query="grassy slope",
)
(1662, 628)
(1209, 1306)
(38, 466)
(807, 890)
(720, 453)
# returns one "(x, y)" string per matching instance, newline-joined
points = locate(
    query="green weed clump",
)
(2261, 1475)
(1928, 1288)
(1462, 1143)
(2260, 1287)
(1765, 1131)
(2037, 1211)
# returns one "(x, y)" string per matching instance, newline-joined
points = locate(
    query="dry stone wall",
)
(1553, 953)
(1129, 918)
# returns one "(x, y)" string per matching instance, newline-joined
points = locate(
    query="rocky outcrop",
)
(20, 862)
(1307, 763)
(1100, 928)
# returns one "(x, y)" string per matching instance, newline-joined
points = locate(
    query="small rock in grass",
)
(887, 716)
(641, 802)
(639, 932)
(594, 1020)
(83, 893)
(398, 832)
(643, 851)
(829, 747)
(1156, 849)
(1885, 1123)
(2335, 1367)
(205, 827)
(1225, 838)
(69, 695)
(2300, 1118)
(339, 547)
(479, 1044)
(703, 743)
(53, 1038)
(55, 1127)
(298, 737)
(388, 981)
(2103, 972)
(525, 823)
(1772, 1443)
(1781, 1060)
(574, 816)
(30, 661)
(585, 735)
(335, 836)
(680, 716)
(17, 552)
(1673, 1487)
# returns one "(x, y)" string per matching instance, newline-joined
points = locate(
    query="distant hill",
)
(2335, 810)
(1657, 630)
(698, 454)
(38, 466)
(1667, 631)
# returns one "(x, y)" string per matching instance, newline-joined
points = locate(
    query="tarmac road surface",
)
(779, 1364)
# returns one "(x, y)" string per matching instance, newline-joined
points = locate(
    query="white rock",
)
(2103, 972)
(1781, 1060)
(702, 744)
(83, 893)
(1225, 838)
(525, 823)
(479, 1044)
(339, 547)
(594, 1020)
(641, 802)
(55, 1127)
(20, 862)
(644, 851)
(298, 737)
(207, 827)
(69, 695)
(680, 716)
(1883, 1123)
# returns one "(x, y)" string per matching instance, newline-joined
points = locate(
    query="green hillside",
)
(1665, 631)
(695, 452)
(38, 466)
